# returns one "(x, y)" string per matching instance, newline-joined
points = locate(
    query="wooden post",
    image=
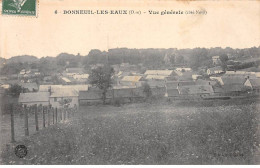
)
(12, 123)
(26, 129)
(43, 117)
(48, 115)
(66, 114)
(62, 114)
(36, 117)
(53, 116)
(69, 110)
(56, 111)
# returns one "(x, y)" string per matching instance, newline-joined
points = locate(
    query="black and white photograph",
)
(148, 82)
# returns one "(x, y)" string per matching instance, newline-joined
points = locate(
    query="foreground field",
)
(148, 133)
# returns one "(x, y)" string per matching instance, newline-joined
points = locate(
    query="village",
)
(179, 83)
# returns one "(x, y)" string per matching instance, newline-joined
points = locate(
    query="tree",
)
(147, 90)
(223, 58)
(65, 103)
(101, 77)
(14, 90)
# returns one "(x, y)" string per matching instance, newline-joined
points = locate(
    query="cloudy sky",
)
(226, 24)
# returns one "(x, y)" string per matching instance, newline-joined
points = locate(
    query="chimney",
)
(49, 89)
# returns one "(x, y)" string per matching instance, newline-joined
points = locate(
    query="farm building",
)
(61, 94)
(75, 70)
(65, 80)
(136, 81)
(183, 69)
(46, 88)
(34, 98)
(254, 84)
(156, 83)
(195, 77)
(81, 76)
(160, 72)
(215, 70)
(205, 82)
(195, 90)
(233, 90)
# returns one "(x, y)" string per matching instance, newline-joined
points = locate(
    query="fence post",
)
(43, 117)
(36, 117)
(62, 114)
(48, 115)
(12, 123)
(56, 111)
(53, 116)
(26, 129)
(68, 113)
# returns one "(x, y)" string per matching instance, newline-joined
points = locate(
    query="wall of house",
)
(247, 83)
(33, 103)
(75, 101)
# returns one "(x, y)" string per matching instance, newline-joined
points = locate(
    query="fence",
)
(38, 117)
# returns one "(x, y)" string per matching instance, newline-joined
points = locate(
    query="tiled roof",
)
(159, 72)
(132, 78)
(34, 97)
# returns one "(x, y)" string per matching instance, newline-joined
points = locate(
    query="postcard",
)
(129, 82)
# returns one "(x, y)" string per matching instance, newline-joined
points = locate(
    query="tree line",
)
(150, 58)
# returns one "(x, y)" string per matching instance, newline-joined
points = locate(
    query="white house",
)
(60, 92)
(215, 70)
(216, 60)
(184, 69)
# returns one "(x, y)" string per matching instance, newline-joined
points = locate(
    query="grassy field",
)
(148, 133)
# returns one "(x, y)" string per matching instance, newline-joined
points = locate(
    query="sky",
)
(227, 24)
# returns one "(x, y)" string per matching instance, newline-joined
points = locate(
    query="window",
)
(55, 99)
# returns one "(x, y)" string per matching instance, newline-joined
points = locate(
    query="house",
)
(22, 72)
(215, 70)
(46, 88)
(233, 90)
(229, 80)
(53, 88)
(132, 81)
(195, 77)
(254, 84)
(81, 76)
(66, 80)
(183, 69)
(5, 86)
(156, 77)
(75, 70)
(172, 87)
(39, 98)
(61, 92)
(156, 83)
(205, 82)
(216, 60)
(60, 95)
(195, 90)
(124, 94)
(90, 96)
(185, 76)
(233, 80)
(244, 74)
(31, 87)
(160, 72)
